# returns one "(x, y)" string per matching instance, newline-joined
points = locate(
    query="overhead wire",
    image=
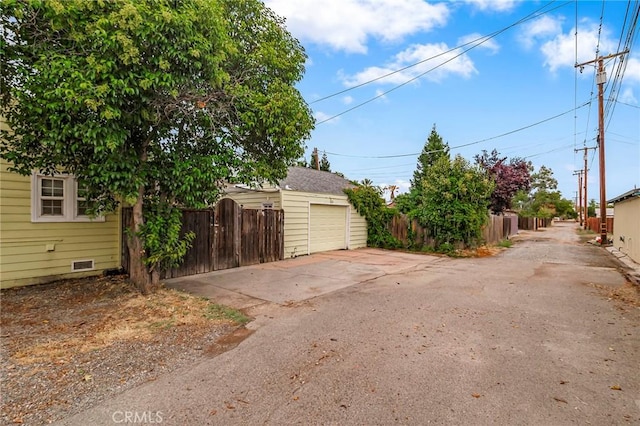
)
(475, 43)
(575, 90)
(614, 85)
(481, 40)
(593, 155)
(413, 154)
(529, 17)
(562, 148)
(621, 61)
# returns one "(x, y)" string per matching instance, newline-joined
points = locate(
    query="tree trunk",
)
(139, 274)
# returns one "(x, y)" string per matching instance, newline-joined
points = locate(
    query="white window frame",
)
(69, 203)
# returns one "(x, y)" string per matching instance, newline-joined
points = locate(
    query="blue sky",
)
(520, 78)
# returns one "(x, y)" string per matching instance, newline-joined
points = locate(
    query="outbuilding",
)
(317, 213)
(626, 230)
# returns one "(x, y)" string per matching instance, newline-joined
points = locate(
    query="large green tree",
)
(544, 200)
(509, 177)
(152, 102)
(434, 148)
(455, 202)
(324, 163)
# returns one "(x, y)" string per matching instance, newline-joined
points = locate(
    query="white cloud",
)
(545, 27)
(461, 65)
(632, 71)
(560, 51)
(380, 95)
(627, 96)
(475, 38)
(322, 116)
(347, 100)
(403, 186)
(493, 5)
(348, 25)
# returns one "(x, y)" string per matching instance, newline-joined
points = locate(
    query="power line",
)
(593, 79)
(466, 144)
(562, 148)
(575, 89)
(481, 40)
(621, 63)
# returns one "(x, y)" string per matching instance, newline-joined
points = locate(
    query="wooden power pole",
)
(601, 79)
(586, 172)
(315, 155)
(579, 203)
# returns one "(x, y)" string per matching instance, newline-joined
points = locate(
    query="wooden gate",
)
(226, 237)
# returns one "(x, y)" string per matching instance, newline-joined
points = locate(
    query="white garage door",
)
(328, 228)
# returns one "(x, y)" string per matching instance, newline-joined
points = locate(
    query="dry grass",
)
(69, 344)
(626, 295)
(482, 251)
(55, 321)
(629, 294)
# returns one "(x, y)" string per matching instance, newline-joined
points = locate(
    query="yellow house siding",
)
(296, 223)
(253, 199)
(626, 227)
(296, 216)
(296, 213)
(33, 253)
(358, 227)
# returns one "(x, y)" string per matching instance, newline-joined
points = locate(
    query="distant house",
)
(626, 230)
(610, 211)
(317, 214)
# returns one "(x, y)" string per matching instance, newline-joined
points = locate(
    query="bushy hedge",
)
(370, 204)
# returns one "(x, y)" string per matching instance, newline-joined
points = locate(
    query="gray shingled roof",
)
(311, 180)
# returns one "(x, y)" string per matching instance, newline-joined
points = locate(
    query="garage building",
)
(317, 214)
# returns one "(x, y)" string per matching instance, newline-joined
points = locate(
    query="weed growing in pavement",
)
(215, 311)
(505, 243)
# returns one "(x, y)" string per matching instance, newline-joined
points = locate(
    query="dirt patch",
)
(627, 294)
(482, 251)
(486, 251)
(69, 345)
(228, 341)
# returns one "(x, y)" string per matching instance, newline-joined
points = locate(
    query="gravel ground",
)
(67, 346)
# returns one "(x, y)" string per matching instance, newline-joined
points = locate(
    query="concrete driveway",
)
(539, 334)
(295, 280)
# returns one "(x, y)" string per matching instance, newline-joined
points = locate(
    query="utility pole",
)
(586, 172)
(601, 79)
(315, 155)
(579, 203)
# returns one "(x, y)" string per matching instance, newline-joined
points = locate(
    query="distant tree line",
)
(451, 197)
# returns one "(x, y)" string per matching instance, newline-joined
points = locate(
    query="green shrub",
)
(370, 204)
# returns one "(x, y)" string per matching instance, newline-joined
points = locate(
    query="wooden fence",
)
(411, 234)
(593, 223)
(533, 223)
(226, 236)
(498, 228)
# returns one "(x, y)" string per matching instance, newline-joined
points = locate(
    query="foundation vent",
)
(82, 265)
